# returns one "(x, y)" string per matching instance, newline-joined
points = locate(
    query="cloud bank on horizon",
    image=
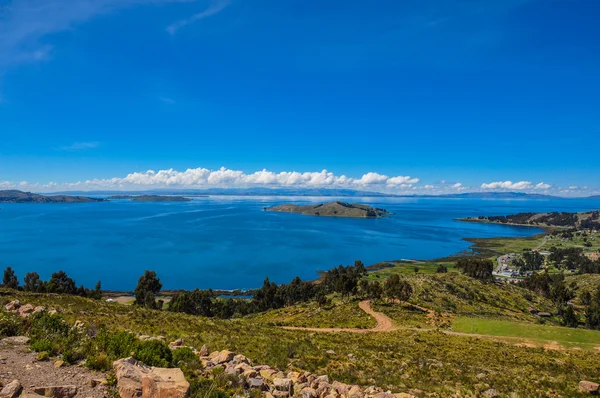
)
(199, 178)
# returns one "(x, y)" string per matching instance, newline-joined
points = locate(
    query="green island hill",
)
(332, 209)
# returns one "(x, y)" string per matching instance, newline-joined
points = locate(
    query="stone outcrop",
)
(134, 379)
(11, 390)
(272, 383)
(589, 387)
(24, 311)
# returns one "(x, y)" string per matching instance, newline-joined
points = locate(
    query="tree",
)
(33, 283)
(375, 291)
(148, 287)
(586, 298)
(10, 279)
(441, 269)
(570, 318)
(476, 268)
(61, 283)
(97, 292)
(396, 288)
(321, 298)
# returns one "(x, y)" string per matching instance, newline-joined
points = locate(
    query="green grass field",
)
(337, 314)
(540, 334)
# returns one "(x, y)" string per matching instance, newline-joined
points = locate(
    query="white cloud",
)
(402, 180)
(374, 179)
(521, 185)
(458, 185)
(429, 187)
(214, 7)
(542, 185)
(223, 177)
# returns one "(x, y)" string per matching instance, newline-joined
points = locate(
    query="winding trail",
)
(384, 323)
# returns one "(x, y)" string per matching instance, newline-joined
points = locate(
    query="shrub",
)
(115, 345)
(10, 324)
(153, 353)
(42, 345)
(99, 362)
(187, 361)
(50, 332)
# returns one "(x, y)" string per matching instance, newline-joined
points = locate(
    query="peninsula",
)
(15, 196)
(332, 209)
(151, 198)
(585, 220)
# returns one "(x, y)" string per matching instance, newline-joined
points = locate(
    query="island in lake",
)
(151, 198)
(15, 196)
(332, 209)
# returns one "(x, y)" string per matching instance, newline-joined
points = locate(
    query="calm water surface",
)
(230, 242)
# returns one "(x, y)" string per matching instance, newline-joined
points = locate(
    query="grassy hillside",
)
(337, 314)
(458, 294)
(417, 357)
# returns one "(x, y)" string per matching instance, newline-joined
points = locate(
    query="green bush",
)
(187, 361)
(42, 345)
(50, 333)
(10, 324)
(116, 345)
(99, 362)
(153, 353)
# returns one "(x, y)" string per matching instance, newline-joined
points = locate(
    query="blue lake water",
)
(230, 242)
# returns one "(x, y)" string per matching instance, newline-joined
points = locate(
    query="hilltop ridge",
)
(332, 209)
(16, 196)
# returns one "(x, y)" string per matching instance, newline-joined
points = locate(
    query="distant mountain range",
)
(261, 191)
(15, 196)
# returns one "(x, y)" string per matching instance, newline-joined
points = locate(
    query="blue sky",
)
(435, 96)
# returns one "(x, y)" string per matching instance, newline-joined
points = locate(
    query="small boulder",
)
(267, 373)
(204, 351)
(39, 308)
(12, 306)
(589, 387)
(308, 392)
(491, 393)
(11, 390)
(68, 391)
(98, 382)
(256, 383)
(16, 340)
(222, 357)
(59, 364)
(282, 384)
(176, 343)
(134, 379)
(25, 310)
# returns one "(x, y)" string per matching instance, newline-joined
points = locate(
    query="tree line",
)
(59, 283)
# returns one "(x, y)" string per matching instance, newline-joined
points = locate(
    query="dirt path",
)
(384, 323)
(17, 362)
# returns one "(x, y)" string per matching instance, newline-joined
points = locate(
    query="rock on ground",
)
(134, 379)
